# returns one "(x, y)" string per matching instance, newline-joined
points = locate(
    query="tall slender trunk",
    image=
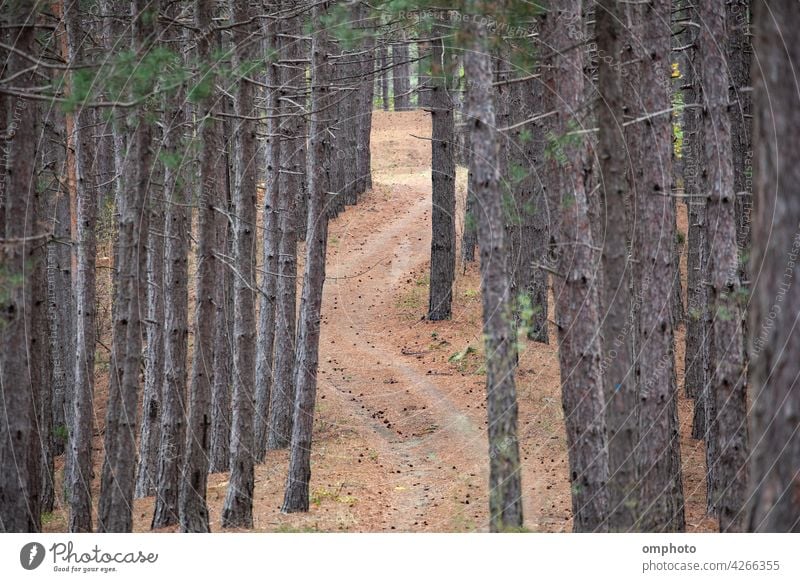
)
(443, 178)
(660, 474)
(619, 384)
(193, 510)
(775, 339)
(401, 75)
(366, 89)
(283, 388)
(265, 342)
(505, 499)
(61, 308)
(39, 334)
(296, 496)
(150, 429)
(220, 443)
(237, 510)
(80, 439)
(696, 348)
(175, 281)
(384, 76)
(19, 439)
(577, 318)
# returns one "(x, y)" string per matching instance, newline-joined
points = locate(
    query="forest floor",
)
(400, 431)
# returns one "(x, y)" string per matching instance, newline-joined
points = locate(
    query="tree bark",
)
(283, 389)
(237, 510)
(726, 411)
(774, 338)
(505, 500)
(175, 284)
(384, 76)
(577, 319)
(661, 494)
(401, 75)
(364, 112)
(19, 439)
(296, 497)
(619, 384)
(150, 431)
(265, 342)
(80, 439)
(443, 179)
(193, 510)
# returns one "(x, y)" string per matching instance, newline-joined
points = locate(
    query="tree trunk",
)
(619, 384)
(401, 75)
(150, 432)
(364, 112)
(469, 239)
(283, 389)
(726, 409)
(296, 496)
(505, 500)
(659, 484)
(81, 430)
(193, 511)
(19, 439)
(175, 281)
(443, 178)
(223, 302)
(42, 377)
(774, 338)
(577, 319)
(61, 300)
(265, 342)
(237, 510)
(384, 76)
(117, 484)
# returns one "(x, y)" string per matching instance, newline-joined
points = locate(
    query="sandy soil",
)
(400, 432)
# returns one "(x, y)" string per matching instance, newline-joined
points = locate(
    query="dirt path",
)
(416, 425)
(400, 427)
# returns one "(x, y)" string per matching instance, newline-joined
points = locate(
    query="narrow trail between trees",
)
(400, 427)
(416, 425)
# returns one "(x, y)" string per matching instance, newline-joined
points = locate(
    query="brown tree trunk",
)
(80, 439)
(401, 75)
(290, 183)
(19, 439)
(150, 430)
(364, 112)
(775, 339)
(443, 178)
(726, 413)
(175, 281)
(193, 510)
(577, 319)
(505, 500)
(384, 76)
(619, 383)
(265, 342)
(237, 510)
(659, 486)
(296, 497)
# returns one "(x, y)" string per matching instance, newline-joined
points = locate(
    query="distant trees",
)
(214, 141)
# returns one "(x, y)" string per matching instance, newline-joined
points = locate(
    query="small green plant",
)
(61, 432)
